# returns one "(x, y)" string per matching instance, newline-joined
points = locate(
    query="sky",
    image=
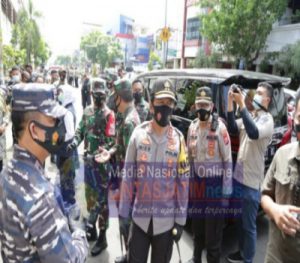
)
(62, 22)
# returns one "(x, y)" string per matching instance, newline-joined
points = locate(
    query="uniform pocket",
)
(282, 187)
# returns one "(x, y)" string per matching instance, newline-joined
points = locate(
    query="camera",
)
(235, 88)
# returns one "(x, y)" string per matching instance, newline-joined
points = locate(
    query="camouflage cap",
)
(99, 85)
(163, 88)
(123, 89)
(36, 97)
(203, 94)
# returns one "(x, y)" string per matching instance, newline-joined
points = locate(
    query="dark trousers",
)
(1, 165)
(139, 244)
(86, 101)
(208, 233)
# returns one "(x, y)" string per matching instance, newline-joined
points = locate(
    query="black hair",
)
(137, 81)
(15, 68)
(19, 120)
(53, 71)
(126, 97)
(268, 88)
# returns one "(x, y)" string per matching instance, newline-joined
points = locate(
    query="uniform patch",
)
(171, 145)
(211, 144)
(171, 153)
(143, 157)
(170, 162)
(146, 141)
(144, 148)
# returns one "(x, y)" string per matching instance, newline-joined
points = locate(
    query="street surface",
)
(186, 243)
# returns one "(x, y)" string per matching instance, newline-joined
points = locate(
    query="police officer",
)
(209, 148)
(97, 128)
(281, 200)
(158, 202)
(32, 226)
(255, 131)
(128, 119)
(141, 105)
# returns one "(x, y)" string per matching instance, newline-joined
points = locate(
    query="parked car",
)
(186, 82)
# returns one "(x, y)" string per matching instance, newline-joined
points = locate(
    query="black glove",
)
(177, 232)
(124, 224)
(71, 146)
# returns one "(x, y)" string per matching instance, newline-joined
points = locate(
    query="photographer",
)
(255, 131)
(281, 200)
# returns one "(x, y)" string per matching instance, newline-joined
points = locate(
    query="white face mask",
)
(257, 98)
(16, 78)
(61, 98)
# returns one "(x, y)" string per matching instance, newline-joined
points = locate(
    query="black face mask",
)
(203, 114)
(54, 136)
(165, 113)
(137, 97)
(297, 131)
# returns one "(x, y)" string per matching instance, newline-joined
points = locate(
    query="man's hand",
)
(103, 156)
(285, 219)
(177, 232)
(2, 129)
(238, 97)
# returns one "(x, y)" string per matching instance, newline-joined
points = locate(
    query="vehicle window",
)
(186, 95)
(278, 107)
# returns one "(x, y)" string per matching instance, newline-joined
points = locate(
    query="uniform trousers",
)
(140, 242)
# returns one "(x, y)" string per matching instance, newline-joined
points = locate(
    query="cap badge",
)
(203, 94)
(167, 85)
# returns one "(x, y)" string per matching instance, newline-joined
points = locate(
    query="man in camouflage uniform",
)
(127, 121)
(141, 105)
(32, 225)
(97, 128)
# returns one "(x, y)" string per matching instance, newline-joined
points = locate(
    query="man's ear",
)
(151, 107)
(32, 130)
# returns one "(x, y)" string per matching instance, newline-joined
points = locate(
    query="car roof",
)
(224, 76)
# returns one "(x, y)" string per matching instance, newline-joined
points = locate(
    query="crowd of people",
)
(159, 177)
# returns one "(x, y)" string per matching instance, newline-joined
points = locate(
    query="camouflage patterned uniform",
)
(32, 225)
(126, 123)
(143, 110)
(97, 128)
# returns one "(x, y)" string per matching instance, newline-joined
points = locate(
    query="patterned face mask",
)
(54, 136)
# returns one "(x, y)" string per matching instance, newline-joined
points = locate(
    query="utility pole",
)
(165, 44)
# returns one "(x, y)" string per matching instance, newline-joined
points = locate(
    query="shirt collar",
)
(24, 155)
(294, 153)
(169, 131)
(127, 111)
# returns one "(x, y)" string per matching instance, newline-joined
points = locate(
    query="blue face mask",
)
(257, 102)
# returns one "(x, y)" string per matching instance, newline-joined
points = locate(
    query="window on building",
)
(193, 29)
(128, 29)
